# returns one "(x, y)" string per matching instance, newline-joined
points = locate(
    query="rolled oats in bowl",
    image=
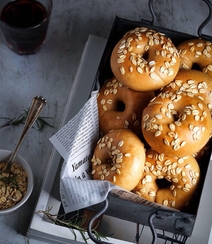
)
(16, 186)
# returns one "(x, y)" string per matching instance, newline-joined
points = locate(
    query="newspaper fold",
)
(75, 142)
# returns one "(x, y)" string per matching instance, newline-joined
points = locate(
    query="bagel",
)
(119, 158)
(176, 125)
(196, 52)
(120, 107)
(144, 60)
(192, 83)
(170, 181)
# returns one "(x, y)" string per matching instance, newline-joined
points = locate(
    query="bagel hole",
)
(195, 66)
(176, 116)
(145, 55)
(120, 106)
(163, 183)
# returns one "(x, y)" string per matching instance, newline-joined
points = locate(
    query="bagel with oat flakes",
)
(120, 107)
(170, 181)
(196, 52)
(176, 125)
(144, 60)
(192, 83)
(119, 157)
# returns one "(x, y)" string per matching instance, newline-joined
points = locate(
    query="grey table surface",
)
(50, 73)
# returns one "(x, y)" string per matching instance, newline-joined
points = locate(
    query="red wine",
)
(24, 24)
(23, 13)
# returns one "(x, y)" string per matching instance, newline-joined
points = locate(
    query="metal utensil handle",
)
(204, 23)
(37, 105)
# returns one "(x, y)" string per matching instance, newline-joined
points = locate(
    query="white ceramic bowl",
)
(4, 154)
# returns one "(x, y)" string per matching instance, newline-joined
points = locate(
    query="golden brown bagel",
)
(120, 107)
(192, 83)
(119, 157)
(196, 51)
(144, 60)
(176, 125)
(170, 181)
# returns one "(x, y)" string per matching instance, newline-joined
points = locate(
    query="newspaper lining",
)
(75, 142)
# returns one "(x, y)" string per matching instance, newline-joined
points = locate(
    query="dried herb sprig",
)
(76, 222)
(10, 179)
(40, 122)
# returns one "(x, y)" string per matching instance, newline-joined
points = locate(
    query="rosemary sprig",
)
(40, 122)
(74, 223)
(10, 179)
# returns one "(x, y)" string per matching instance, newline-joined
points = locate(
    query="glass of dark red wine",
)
(24, 24)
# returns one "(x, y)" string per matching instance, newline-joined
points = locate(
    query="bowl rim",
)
(4, 154)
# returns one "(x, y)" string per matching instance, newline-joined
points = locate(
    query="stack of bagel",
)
(155, 117)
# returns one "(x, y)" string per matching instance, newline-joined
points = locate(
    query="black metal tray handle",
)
(92, 221)
(160, 214)
(201, 27)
